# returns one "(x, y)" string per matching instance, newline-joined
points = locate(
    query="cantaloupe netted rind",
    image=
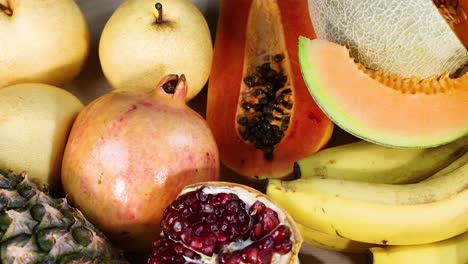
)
(380, 108)
(408, 38)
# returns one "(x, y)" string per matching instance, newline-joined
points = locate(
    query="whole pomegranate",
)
(225, 223)
(129, 155)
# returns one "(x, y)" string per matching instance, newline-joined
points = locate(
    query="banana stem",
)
(297, 171)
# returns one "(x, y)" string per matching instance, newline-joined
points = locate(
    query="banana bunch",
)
(368, 162)
(363, 197)
(453, 250)
(331, 242)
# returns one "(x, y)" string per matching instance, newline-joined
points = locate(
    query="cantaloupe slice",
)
(408, 38)
(380, 108)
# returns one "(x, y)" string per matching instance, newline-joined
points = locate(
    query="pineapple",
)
(36, 228)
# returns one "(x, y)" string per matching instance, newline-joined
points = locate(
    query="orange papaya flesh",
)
(258, 106)
(455, 13)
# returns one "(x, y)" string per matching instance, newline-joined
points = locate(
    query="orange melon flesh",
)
(375, 112)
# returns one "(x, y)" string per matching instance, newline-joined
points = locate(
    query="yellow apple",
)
(44, 41)
(145, 40)
(35, 121)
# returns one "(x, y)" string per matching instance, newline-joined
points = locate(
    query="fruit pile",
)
(259, 173)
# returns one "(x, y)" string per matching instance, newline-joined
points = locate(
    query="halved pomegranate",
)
(223, 222)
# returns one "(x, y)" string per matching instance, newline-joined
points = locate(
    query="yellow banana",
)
(461, 161)
(365, 161)
(418, 213)
(453, 250)
(331, 242)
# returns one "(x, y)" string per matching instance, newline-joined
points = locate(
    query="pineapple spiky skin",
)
(37, 228)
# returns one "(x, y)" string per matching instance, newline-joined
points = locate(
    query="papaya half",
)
(258, 106)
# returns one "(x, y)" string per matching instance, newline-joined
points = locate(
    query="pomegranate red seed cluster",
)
(221, 226)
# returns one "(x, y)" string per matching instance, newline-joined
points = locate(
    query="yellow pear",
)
(43, 41)
(145, 40)
(35, 121)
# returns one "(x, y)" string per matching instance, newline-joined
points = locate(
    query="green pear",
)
(44, 41)
(145, 40)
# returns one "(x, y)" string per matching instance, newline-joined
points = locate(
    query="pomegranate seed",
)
(179, 249)
(270, 220)
(203, 197)
(178, 205)
(195, 207)
(233, 206)
(199, 228)
(280, 234)
(224, 226)
(196, 244)
(257, 231)
(190, 199)
(265, 256)
(210, 239)
(207, 208)
(191, 254)
(210, 219)
(223, 198)
(284, 247)
(193, 219)
(257, 208)
(231, 218)
(208, 249)
(214, 228)
(177, 227)
(266, 243)
(218, 211)
(187, 236)
(221, 238)
(233, 232)
(171, 218)
(243, 217)
(166, 251)
(250, 255)
(230, 258)
(186, 212)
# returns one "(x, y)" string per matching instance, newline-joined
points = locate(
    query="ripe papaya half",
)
(258, 106)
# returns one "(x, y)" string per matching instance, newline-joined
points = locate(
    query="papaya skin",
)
(309, 128)
(461, 29)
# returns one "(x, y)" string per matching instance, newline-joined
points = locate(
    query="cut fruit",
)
(223, 223)
(408, 38)
(258, 107)
(380, 108)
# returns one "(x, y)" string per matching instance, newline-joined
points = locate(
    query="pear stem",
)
(159, 7)
(6, 10)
